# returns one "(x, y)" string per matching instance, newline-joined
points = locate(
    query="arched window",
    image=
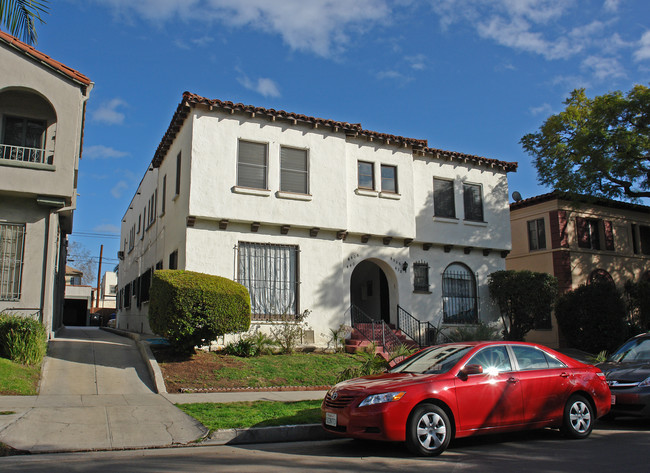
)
(600, 276)
(459, 295)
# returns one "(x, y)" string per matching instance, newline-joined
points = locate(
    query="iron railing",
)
(24, 154)
(376, 331)
(423, 333)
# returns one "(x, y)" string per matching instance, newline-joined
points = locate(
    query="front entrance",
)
(369, 290)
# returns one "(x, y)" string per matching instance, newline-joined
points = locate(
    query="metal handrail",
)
(23, 153)
(375, 331)
(421, 332)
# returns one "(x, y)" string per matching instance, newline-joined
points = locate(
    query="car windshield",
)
(435, 360)
(637, 349)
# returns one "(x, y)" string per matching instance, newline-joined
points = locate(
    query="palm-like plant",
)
(20, 16)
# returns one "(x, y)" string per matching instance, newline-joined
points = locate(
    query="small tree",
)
(592, 317)
(525, 299)
(192, 309)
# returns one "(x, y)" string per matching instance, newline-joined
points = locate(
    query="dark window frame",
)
(536, 234)
(444, 198)
(361, 174)
(473, 202)
(392, 179)
(421, 277)
(247, 181)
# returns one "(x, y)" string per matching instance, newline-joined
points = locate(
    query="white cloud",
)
(263, 86)
(103, 152)
(107, 228)
(544, 109)
(611, 5)
(118, 189)
(392, 74)
(644, 48)
(108, 113)
(603, 67)
(417, 62)
(319, 26)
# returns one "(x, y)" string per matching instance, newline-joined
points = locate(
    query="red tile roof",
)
(44, 58)
(571, 197)
(350, 129)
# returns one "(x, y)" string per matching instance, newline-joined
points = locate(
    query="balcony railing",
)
(24, 154)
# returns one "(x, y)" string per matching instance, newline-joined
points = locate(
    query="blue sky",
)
(471, 76)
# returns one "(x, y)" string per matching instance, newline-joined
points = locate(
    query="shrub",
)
(288, 334)
(475, 332)
(638, 295)
(525, 299)
(192, 309)
(592, 318)
(248, 345)
(22, 339)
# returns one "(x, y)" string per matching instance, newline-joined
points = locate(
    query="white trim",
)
(366, 192)
(390, 195)
(251, 191)
(293, 196)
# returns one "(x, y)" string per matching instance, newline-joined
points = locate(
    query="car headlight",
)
(645, 383)
(381, 398)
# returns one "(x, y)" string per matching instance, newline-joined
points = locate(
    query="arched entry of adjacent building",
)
(370, 291)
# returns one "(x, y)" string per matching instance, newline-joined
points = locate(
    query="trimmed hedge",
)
(593, 317)
(192, 309)
(22, 339)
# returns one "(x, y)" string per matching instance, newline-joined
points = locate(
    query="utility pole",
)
(99, 274)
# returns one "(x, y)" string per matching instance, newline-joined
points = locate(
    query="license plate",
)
(613, 399)
(330, 419)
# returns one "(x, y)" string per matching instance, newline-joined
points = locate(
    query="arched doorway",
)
(369, 290)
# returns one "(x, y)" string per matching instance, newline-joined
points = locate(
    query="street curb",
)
(286, 433)
(147, 357)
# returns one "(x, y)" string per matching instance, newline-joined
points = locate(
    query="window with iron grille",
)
(12, 247)
(536, 235)
(443, 198)
(252, 165)
(459, 299)
(420, 276)
(127, 296)
(270, 273)
(294, 170)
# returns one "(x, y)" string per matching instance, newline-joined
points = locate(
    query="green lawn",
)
(253, 414)
(286, 370)
(17, 379)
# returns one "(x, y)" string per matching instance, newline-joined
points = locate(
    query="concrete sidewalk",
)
(95, 394)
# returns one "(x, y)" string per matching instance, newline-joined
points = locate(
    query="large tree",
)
(598, 146)
(20, 17)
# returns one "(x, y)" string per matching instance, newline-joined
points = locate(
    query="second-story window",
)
(178, 174)
(443, 198)
(252, 165)
(589, 233)
(366, 176)
(473, 202)
(24, 139)
(536, 234)
(644, 237)
(388, 178)
(294, 171)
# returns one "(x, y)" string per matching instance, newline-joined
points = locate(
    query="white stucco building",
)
(42, 109)
(317, 215)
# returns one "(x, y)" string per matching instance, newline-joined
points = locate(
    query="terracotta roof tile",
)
(571, 197)
(44, 58)
(350, 129)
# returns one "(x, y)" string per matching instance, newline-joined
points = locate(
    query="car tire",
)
(579, 417)
(428, 430)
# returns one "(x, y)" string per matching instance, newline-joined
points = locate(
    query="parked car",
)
(111, 321)
(628, 375)
(462, 389)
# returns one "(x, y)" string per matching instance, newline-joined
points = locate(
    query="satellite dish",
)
(516, 196)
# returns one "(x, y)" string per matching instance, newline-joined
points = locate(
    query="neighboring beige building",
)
(316, 214)
(42, 105)
(108, 290)
(579, 240)
(78, 299)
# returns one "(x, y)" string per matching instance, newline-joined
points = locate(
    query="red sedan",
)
(462, 389)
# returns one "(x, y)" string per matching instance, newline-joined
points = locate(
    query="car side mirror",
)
(468, 370)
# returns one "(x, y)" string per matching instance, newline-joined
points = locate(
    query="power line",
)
(94, 235)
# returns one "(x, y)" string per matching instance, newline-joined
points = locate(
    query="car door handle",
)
(564, 375)
(512, 379)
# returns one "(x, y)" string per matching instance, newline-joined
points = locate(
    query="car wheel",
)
(578, 417)
(428, 431)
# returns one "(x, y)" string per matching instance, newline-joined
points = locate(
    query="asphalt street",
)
(620, 446)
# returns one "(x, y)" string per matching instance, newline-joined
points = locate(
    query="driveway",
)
(95, 394)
